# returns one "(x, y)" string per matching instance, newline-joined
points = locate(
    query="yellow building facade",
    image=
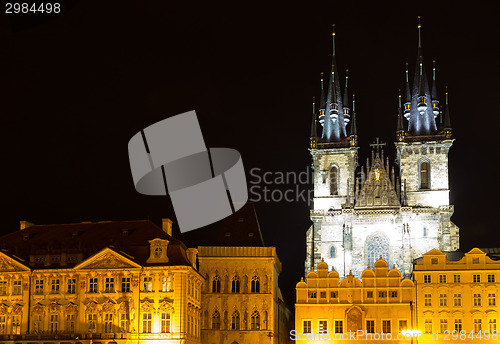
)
(378, 306)
(100, 283)
(457, 295)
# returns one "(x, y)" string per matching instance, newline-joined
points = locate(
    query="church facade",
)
(362, 212)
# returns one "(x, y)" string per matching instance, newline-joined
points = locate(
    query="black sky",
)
(77, 86)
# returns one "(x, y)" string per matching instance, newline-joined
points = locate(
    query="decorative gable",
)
(377, 188)
(158, 251)
(9, 264)
(107, 259)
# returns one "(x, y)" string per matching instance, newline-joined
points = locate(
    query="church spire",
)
(400, 131)
(435, 101)
(354, 129)
(314, 130)
(447, 122)
(322, 103)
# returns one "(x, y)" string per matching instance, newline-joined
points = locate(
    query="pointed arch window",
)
(376, 246)
(255, 321)
(332, 252)
(333, 180)
(255, 284)
(425, 175)
(235, 284)
(216, 320)
(216, 284)
(235, 321)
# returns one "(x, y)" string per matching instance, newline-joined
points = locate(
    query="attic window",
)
(26, 237)
(228, 234)
(240, 219)
(434, 260)
(124, 232)
(475, 260)
(250, 235)
(158, 251)
(74, 234)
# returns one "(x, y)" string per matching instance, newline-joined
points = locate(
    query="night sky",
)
(76, 87)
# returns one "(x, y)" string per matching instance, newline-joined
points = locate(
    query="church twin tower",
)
(363, 212)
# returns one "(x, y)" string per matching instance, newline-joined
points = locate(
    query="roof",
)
(130, 238)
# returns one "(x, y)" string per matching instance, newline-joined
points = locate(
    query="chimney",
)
(166, 225)
(25, 224)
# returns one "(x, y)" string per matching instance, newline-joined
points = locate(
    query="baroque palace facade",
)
(362, 212)
(132, 282)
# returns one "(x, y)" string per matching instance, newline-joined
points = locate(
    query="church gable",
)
(107, 259)
(8, 264)
(377, 188)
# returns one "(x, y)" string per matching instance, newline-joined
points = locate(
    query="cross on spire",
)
(377, 144)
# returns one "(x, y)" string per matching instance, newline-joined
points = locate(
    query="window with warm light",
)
(109, 285)
(125, 284)
(403, 325)
(92, 322)
(147, 284)
(147, 322)
(492, 324)
(92, 285)
(386, 326)
(255, 321)
(54, 286)
(457, 300)
(71, 285)
(443, 325)
(54, 323)
(235, 284)
(370, 326)
(307, 328)
(428, 325)
(3, 288)
(427, 300)
(108, 323)
(16, 287)
(443, 300)
(478, 324)
(124, 322)
(492, 299)
(477, 300)
(339, 326)
(165, 322)
(458, 325)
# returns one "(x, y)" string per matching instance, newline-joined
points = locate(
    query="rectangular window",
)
(457, 300)
(491, 278)
(427, 300)
(146, 322)
(443, 300)
(427, 278)
(3, 288)
(477, 300)
(165, 322)
(70, 323)
(369, 294)
(370, 326)
(312, 294)
(54, 286)
(71, 285)
(3, 324)
(433, 260)
(492, 300)
(442, 278)
(92, 322)
(125, 284)
(54, 323)
(475, 260)
(124, 322)
(148, 284)
(333, 294)
(476, 278)
(456, 278)
(382, 294)
(386, 326)
(322, 294)
(37, 323)
(92, 285)
(108, 323)
(477, 325)
(16, 324)
(165, 284)
(492, 324)
(443, 325)
(428, 325)
(394, 294)
(109, 285)
(458, 325)
(307, 326)
(403, 325)
(39, 286)
(323, 326)
(17, 288)
(339, 326)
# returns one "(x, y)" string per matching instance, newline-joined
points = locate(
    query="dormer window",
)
(158, 251)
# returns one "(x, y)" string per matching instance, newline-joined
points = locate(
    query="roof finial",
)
(419, 33)
(314, 107)
(346, 95)
(446, 94)
(399, 98)
(333, 38)
(433, 69)
(353, 102)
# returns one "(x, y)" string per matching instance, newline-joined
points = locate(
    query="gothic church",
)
(362, 213)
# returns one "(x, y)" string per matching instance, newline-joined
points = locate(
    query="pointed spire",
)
(333, 38)
(447, 121)
(314, 121)
(354, 129)
(408, 92)
(346, 95)
(400, 132)
(434, 88)
(419, 33)
(322, 99)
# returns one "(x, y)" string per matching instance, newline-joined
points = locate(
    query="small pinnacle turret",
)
(400, 131)
(447, 121)
(354, 129)
(314, 130)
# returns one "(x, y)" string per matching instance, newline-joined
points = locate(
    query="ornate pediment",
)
(107, 259)
(166, 307)
(9, 264)
(377, 188)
